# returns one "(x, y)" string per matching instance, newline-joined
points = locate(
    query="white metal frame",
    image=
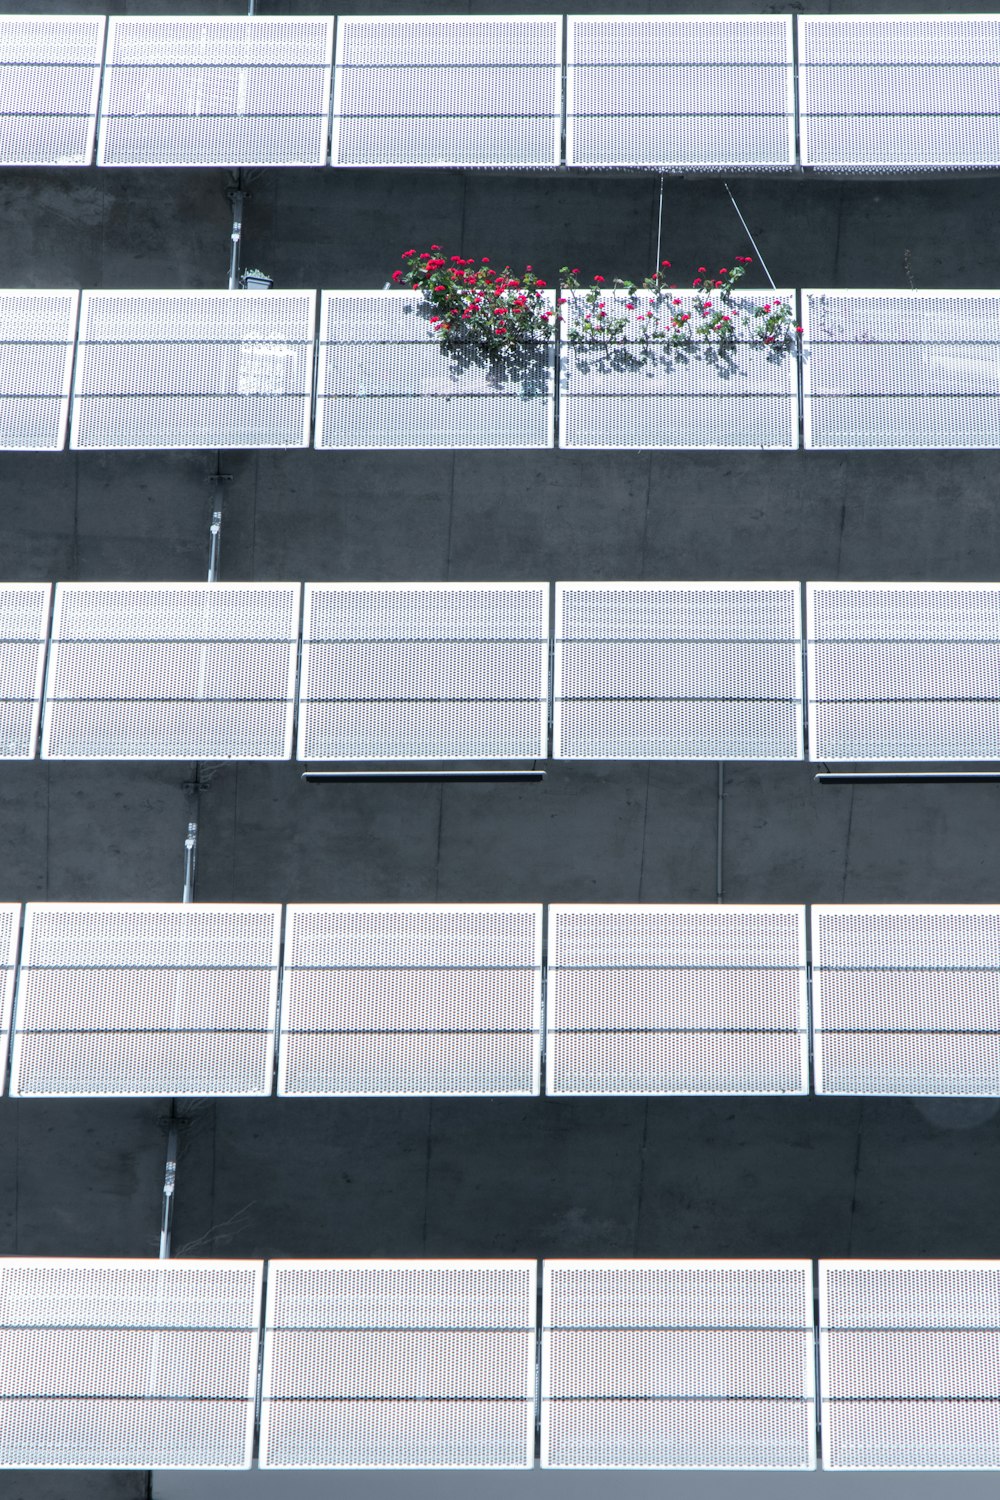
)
(34, 678)
(699, 1335)
(882, 428)
(429, 405)
(53, 1309)
(445, 23)
(83, 155)
(65, 590)
(115, 1057)
(230, 432)
(704, 1049)
(256, 27)
(561, 639)
(11, 916)
(679, 161)
(61, 397)
(419, 1339)
(344, 1007)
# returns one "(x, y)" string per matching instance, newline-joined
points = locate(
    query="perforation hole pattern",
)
(214, 92)
(884, 370)
(24, 617)
(907, 1001)
(411, 1000)
(37, 330)
(438, 673)
(668, 673)
(50, 76)
(118, 1364)
(456, 92)
(384, 382)
(677, 1365)
(904, 92)
(672, 92)
(903, 673)
(205, 671)
(193, 370)
(910, 1364)
(406, 1364)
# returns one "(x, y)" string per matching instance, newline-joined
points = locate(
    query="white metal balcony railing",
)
(429, 672)
(645, 93)
(113, 1000)
(381, 1364)
(185, 370)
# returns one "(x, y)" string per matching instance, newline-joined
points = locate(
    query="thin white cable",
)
(750, 237)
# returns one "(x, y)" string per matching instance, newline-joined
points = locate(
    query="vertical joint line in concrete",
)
(539, 1334)
(8, 1061)
(719, 827)
(817, 1385)
(169, 1184)
(258, 1395)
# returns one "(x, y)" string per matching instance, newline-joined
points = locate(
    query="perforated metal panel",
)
(399, 1364)
(194, 370)
(10, 931)
(910, 1364)
(903, 671)
(412, 671)
(383, 382)
(128, 1364)
(674, 671)
(50, 79)
(883, 92)
(24, 628)
(146, 1000)
(674, 92)
(901, 369)
(906, 1000)
(461, 91)
(677, 1365)
(677, 1000)
(634, 395)
(411, 1000)
(201, 92)
(172, 671)
(37, 330)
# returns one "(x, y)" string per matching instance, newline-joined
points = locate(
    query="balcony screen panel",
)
(901, 369)
(904, 92)
(677, 1000)
(399, 1364)
(173, 671)
(37, 330)
(481, 91)
(678, 1364)
(903, 671)
(638, 393)
(50, 80)
(673, 92)
(424, 1000)
(678, 671)
(910, 1364)
(164, 1000)
(194, 370)
(253, 92)
(906, 1000)
(384, 382)
(128, 1364)
(24, 624)
(424, 671)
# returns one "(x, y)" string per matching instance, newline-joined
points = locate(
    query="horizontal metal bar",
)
(892, 778)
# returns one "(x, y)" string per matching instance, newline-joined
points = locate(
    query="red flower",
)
(486, 260)
(397, 275)
(667, 264)
(439, 288)
(723, 271)
(599, 280)
(435, 247)
(701, 270)
(716, 283)
(630, 306)
(540, 283)
(798, 328)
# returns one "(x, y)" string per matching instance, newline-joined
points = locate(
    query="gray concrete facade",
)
(556, 1177)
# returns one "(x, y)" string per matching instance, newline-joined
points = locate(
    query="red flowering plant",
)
(472, 306)
(636, 316)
